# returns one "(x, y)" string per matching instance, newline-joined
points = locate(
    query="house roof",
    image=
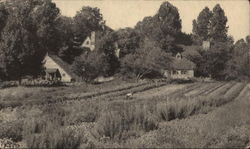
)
(182, 64)
(51, 70)
(64, 65)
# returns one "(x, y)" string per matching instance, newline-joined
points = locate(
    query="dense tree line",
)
(27, 32)
(31, 28)
(224, 60)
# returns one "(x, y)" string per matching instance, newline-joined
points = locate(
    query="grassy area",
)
(115, 120)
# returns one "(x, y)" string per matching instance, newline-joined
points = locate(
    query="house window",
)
(175, 72)
(63, 74)
(183, 72)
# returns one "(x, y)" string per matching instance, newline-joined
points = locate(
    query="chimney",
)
(206, 45)
(92, 38)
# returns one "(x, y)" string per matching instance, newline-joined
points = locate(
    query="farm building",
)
(57, 69)
(181, 68)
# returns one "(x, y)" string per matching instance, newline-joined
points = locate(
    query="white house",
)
(181, 68)
(92, 40)
(57, 69)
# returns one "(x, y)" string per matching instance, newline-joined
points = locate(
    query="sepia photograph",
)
(88, 74)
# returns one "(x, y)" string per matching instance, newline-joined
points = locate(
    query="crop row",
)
(127, 117)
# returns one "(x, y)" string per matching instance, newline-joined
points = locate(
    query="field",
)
(158, 114)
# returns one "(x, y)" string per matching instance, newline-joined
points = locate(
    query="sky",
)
(126, 13)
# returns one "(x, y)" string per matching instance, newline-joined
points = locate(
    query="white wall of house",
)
(179, 74)
(89, 42)
(50, 63)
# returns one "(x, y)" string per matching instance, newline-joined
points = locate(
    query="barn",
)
(181, 68)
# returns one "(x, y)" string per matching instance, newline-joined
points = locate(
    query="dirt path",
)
(201, 89)
(164, 90)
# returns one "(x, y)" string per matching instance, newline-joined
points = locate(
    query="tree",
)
(169, 17)
(216, 58)
(163, 27)
(107, 46)
(91, 65)
(69, 47)
(128, 41)
(86, 20)
(3, 16)
(218, 29)
(25, 37)
(238, 65)
(201, 26)
(148, 60)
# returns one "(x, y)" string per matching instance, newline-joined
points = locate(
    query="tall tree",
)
(128, 40)
(25, 37)
(238, 65)
(91, 65)
(69, 48)
(148, 60)
(163, 27)
(218, 29)
(201, 26)
(3, 16)
(106, 45)
(86, 20)
(216, 58)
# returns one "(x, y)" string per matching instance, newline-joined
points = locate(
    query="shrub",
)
(12, 130)
(123, 118)
(91, 65)
(63, 138)
(41, 82)
(7, 84)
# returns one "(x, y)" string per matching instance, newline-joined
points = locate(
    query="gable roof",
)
(182, 64)
(64, 65)
(97, 37)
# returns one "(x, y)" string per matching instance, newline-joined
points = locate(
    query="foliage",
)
(121, 119)
(147, 60)
(108, 47)
(238, 66)
(128, 40)
(3, 16)
(163, 27)
(218, 30)
(216, 59)
(68, 47)
(210, 26)
(201, 26)
(12, 130)
(91, 65)
(73, 31)
(28, 33)
(86, 20)
(53, 137)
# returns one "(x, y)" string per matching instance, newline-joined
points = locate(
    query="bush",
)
(181, 81)
(7, 84)
(12, 130)
(63, 138)
(120, 119)
(91, 65)
(41, 82)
